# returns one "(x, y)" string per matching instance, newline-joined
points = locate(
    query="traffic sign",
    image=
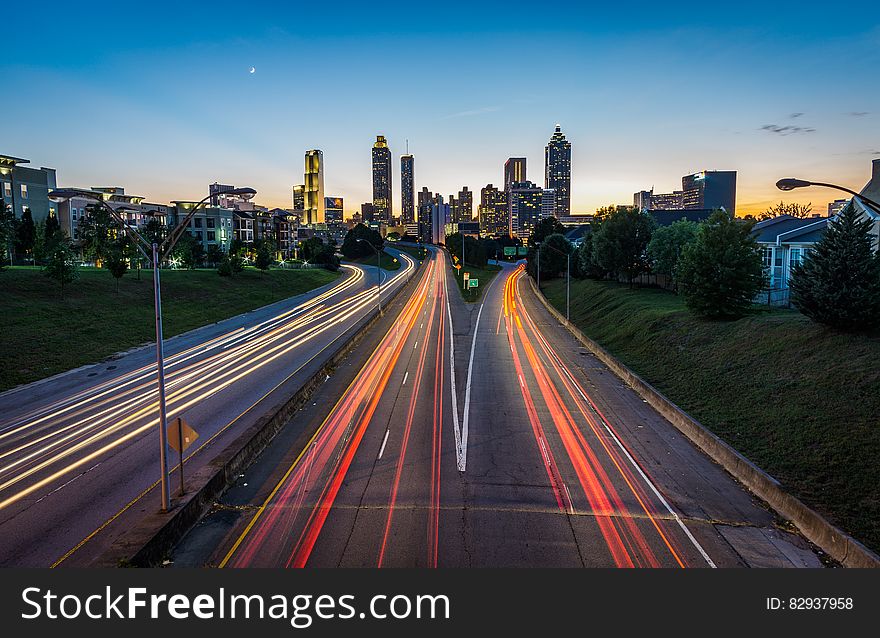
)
(523, 250)
(467, 276)
(179, 429)
(473, 283)
(509, 251)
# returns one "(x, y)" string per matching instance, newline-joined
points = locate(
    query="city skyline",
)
(614, 75)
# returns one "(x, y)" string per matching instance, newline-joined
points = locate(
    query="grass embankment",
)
(42, 335)
(386, 262)
(413, 251)
(484, 277)
(798, 399)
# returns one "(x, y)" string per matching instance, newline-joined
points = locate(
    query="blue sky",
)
(159, 98)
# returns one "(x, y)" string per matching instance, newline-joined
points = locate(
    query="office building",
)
(557, 171)
(548, 203)
(407, 189)
(333, 209)
(23, 187)
(368, 212)
(642, 200)
(440, 216)
(493, 211)
(514, 171)
(425, 201)
(211, 225)
(463, 211)
(382, 200)
(710, 189)
(299, 198)
(314, 188)
(667, 201)
(524, 205)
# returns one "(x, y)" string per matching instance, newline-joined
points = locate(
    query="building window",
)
(73, 214)
(197, 222)
(210, 235)
(7, 190)
(209, 223)
(24, 191)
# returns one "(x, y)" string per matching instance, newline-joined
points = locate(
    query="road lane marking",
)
(384, 441)
(462, 450)
(405, 377)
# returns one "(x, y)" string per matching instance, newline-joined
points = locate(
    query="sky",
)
(158, 97)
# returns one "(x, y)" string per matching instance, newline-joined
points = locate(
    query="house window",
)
(197, 222)
(209, 223)
(24, 191)
(7, 190)
(795, 257)
(73, 214)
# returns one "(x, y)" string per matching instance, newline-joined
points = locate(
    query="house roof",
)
(786, 229)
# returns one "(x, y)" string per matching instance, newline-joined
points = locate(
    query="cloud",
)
(480, 111)
(858, 113)
(795, 115)
(787, 130)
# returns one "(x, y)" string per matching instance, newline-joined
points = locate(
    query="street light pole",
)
(790, 183)
(60, 195)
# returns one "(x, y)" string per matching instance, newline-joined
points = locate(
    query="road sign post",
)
(180, 437)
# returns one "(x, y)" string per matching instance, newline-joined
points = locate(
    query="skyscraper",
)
(464, 206)
(710, 189)
(557, 171)
(299, 197)
(493, 211)
(314, 188)
(514, 171)
(439, 217)
(548, 203)
(382, 202)
(407, 189)
(524, 204)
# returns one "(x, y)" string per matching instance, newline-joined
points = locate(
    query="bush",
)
(354, 249)
(621, 241)
(721, 271)
(838, 283)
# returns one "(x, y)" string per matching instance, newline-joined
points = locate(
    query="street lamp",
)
(159, 253)
(378, 271)
(790, 183)
(567, 278)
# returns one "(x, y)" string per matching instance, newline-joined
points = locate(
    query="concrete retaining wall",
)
(836, 543)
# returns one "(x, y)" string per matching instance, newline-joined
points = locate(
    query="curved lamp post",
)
(159, 253)
(378, 271)
(790, 183)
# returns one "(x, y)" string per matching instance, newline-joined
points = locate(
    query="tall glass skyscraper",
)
(314, 188)
(407, 189)
(557, 171)
(382, 180)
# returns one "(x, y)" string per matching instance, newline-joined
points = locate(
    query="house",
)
(785, 240)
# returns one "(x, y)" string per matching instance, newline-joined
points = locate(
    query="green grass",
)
(387, 261)
(41, 334)
(484, 276)
(798, 399)
(413, 251)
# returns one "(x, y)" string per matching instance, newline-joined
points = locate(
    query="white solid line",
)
(570, 502)
(415, 345)
(405, 377)
(462, 452)
(384, 441)
(456, 430)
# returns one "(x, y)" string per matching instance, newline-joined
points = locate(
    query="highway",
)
(79, 452)
(484, 435)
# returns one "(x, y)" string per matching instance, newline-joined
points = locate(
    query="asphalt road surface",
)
(79, 451)
(483, 434)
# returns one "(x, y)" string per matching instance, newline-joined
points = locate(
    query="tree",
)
(154, 232)
(393, 236)
(838, 283)
(7, 232)
(544, 228)
(97, 230)
(552, 262)
(189, 251)
(621, 241)
(264, 258)
(354, 249)
(667, 242)
(214, 254)
(794, 209)
(116, 263)
(61, 265)
(26, 232)
(474, 251)
(39, 250)
(586, 258)
(51, 226)
(721, 271)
